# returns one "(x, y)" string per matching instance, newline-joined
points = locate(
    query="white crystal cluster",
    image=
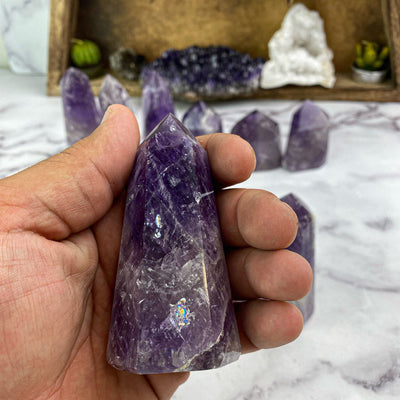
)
(298, 52)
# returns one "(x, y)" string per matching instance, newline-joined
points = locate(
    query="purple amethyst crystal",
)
(201, 119)
(308, 140)
(157, 100)
(81, 114)
(112, 92)
(263, 134)
(303, 245)
(214, 71)
(172, 306)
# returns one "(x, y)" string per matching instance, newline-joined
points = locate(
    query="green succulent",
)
(85, 53)
(371, 56)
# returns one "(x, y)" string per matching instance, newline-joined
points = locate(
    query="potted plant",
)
(372, 62)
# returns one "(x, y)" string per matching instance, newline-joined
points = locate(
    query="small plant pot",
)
(366, 76)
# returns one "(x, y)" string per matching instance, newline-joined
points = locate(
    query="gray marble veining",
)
(350, 348)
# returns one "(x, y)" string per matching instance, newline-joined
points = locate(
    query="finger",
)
(255, 218)
(267, 324)
(71, 190)
(278, 275)
(232, 159)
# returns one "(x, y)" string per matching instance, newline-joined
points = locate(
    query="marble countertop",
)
(350, 348)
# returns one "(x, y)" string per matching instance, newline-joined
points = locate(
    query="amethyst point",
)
(172, 306)
(202, 120)
(263, 135)
(81, 114)
(308, 140)
(303, 245)
(157, 100)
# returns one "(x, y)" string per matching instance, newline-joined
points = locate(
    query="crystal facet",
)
(81, 114)
(308, 140)
(112, 92)
(262, 133)
(214, 71)
(172, 306)
(201, 119)
(157, 100)
(303, 245)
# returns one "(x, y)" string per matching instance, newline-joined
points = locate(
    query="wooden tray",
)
(152, 26)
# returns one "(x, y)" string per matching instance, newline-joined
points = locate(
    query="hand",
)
(60, 228)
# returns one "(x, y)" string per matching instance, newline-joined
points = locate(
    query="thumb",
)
(72, 190)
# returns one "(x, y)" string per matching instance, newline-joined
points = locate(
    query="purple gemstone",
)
(172, 306)
(112, 92)
(157, 100)
(214, 71)
(303, 245)
(201, 119)
(263, 134)
(81, 114)
(308, 141)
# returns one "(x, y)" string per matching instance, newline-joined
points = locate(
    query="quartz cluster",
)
(262, 133)
(172, 306)
(214, 71)
(308, 140)
(127, 63)
(82, 111)
(303, 245)
(298, 52)
(202, 120)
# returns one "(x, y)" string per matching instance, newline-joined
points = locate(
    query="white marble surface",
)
(24, 25)
(350, 349)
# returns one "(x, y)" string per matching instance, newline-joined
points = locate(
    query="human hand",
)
(60, 229)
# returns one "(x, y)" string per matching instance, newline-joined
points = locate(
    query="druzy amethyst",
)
(303, 245)
(201, 119)
(112, 92)
(156, 99)
(262, 133)
(213, 72)
(308, 140)
(172, 306)
(82, 116)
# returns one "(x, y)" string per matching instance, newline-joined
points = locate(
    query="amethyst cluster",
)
(208, 72)
(172, 306)
(303, 245)
(82, 111)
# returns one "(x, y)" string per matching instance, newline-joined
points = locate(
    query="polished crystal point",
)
(308, 141)
(82, 116)
(112, 92)
(303, 245)
(262, 133)
(157, 100)
(172, 306)
(201, 119)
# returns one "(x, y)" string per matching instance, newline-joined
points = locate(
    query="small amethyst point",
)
(308, 140)
(157, 100)
(112, 92)
(263, 135)
(202, 120)
(172, 306)
(81, 114)
(303, 245)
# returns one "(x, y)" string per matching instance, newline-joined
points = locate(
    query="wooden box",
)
(152, 26)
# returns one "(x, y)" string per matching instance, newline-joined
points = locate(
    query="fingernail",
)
(106, 115)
